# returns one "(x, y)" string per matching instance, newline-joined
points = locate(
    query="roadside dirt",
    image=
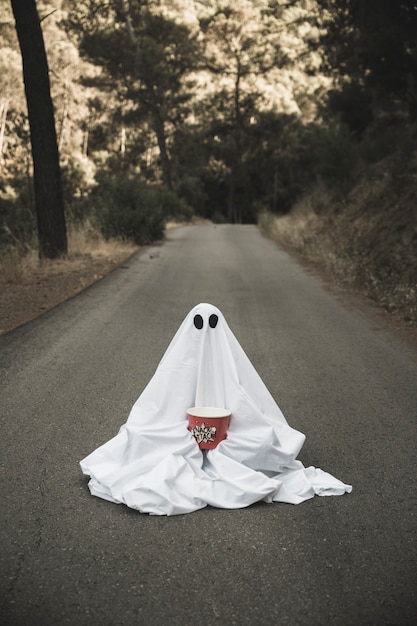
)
(28, 296)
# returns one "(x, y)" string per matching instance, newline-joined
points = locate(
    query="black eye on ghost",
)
(199, 322)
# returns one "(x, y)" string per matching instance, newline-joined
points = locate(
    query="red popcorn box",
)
(208, 425)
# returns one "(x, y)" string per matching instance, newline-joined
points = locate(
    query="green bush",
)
(17, 212)
(173, 207)
(128, 207)
(130, 212)
(337, 158)
(352, 103)
(380, 143)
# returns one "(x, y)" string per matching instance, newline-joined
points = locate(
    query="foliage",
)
(351, 105)
(373, 46)
(148, 56)
(337, 158)
(127, 207)
(17, 213)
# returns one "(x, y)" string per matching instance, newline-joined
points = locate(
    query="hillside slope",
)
(367, 238)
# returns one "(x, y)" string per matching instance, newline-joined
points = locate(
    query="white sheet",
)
(154, 464)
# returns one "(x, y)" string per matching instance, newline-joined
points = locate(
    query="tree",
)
(370, 49)
(164, 53)
(49, 201)
(243, 50)
(148, 56)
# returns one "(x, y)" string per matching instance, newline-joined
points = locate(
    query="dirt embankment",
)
(29, 287)
(366, 239)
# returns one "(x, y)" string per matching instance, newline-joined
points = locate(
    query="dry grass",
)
(85, 245)
(29, 286)
(368, 241)
(295, 228)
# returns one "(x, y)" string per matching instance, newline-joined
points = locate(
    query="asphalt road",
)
(339, 373)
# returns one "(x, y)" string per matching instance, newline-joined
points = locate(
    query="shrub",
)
(17, 213)
(173, 207)
(130, 211)
(353, 105)
(337, 158)
(378, 144)
(128, 207)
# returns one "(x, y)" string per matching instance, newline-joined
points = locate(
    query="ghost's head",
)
(202, 349)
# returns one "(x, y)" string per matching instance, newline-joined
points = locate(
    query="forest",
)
(299, 116)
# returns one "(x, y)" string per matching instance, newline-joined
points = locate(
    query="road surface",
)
(340, 374)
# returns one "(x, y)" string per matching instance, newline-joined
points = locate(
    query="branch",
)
(47, 15)
(129, 25)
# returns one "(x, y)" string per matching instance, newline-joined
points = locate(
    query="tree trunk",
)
(129, 25)
(158, 120)
(64, 116)
(3, 116)
(49, 201)
(161, 138)
(234, 210)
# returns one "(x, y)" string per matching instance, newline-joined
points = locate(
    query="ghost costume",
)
(154, 463)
